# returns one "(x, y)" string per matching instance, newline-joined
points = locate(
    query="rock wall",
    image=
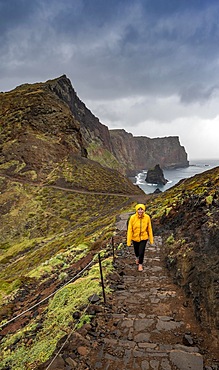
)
(118, 148)
(91, 127)
(53, 108)
(141, 152)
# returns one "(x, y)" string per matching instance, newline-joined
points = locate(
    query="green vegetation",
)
(59, 208)
(193, 190)
(44, 232)
(58, 320)
(104, 157)
(49, 222)
(209, 200)
(170, 240)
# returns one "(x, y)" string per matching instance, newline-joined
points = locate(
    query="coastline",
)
(173, 176)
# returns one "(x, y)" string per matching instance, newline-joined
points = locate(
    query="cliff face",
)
(67, 127)
(38, 131)
(143, 153)
(118, 149)
(91, 128)
(95, 135)
(42, 141)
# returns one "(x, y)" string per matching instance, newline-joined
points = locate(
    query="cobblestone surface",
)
(146, 330)
(147, 323)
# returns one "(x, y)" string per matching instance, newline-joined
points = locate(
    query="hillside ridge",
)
(67, 126)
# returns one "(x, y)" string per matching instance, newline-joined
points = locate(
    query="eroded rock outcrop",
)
(43, 142)
(189, 220)
(140, 152)
(117, 148)
(68, 127)
(155, 176)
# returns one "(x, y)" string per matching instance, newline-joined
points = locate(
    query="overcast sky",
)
(150, 67)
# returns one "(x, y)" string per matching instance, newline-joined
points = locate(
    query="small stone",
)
(154, 364)
(142, 337)
(76, 315)
(188, 340)
(58, 364)
(83, 351)
(71, 362)
(145, 365)
(120, 287)
(94, 298)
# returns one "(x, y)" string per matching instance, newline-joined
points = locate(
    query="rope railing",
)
(50, 295)
(85, 310)
(57, 290)
(69, 335)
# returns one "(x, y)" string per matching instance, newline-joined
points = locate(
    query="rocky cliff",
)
(55, 108)
(37, 132)
(67, 127)
(42, 141)
(95, 134)
(141, 152)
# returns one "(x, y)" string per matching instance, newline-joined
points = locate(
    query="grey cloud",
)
(119, 50)
(198, 93)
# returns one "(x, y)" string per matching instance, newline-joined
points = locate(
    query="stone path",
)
(147, 331)
(147, 323)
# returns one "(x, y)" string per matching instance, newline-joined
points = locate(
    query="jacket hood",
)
(140, 206)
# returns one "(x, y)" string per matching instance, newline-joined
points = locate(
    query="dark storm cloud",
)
(154, 63)
(14, 13)
(140, 47)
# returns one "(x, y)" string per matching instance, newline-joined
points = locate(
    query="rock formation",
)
(55, 108)
(155, 176)
(43, 142)
(140, 152)
(188, 220)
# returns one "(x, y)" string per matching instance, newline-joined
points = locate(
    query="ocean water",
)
(175, 175)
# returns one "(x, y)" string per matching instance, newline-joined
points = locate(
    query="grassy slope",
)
(55, 228)
(187, 217)
(46, 227)
(45, 230)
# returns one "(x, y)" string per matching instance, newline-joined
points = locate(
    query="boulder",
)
(155, 176)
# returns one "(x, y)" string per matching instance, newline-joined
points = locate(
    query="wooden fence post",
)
(102, 282)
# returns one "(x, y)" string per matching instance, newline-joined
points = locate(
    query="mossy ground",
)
(44, 231)
(36, 346)
(38, 223)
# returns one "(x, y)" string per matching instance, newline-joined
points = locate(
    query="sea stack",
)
(155, 176)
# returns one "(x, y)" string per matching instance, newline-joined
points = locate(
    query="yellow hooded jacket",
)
(139, 228)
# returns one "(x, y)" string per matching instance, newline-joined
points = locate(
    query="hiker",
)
(139, 231)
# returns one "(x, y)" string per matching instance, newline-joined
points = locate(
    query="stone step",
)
(145, 331)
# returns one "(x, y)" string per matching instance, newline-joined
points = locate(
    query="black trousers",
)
(139, 248)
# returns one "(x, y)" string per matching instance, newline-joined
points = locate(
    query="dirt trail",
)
(139, 197)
